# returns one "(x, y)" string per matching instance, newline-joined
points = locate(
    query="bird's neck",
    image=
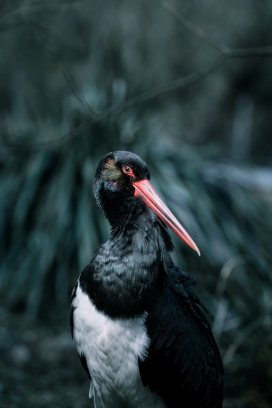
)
(126, 273)
(120, 210)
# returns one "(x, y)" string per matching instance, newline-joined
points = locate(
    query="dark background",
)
(208, 145)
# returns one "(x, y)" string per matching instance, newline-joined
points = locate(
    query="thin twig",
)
(249, 52)
(37, 8)
(53, 49)
(67, 137)
(164, 89)
(10, 26)
(221, 47)
(62, 15)
(190, 26)
(50, 46)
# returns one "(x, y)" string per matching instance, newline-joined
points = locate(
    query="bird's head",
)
(123, 174)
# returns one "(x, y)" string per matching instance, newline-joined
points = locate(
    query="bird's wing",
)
(81, 356)
(183, 365)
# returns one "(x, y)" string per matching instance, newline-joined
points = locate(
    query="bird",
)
(140, 330)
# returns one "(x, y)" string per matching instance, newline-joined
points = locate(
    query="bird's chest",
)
(112, 349)
(122, 283)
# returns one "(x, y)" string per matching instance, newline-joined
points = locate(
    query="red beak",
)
(146, 192)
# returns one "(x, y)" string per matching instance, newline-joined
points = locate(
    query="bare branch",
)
(61, 141)
(33, 9)
(249, 52)
(190, 26)
(50, 46)
(164, 89)
(224, 49)
(10, 26)
(73, 88)
(66, 9)
(53, 49)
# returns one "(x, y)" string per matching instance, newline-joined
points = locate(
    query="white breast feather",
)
(112, 348)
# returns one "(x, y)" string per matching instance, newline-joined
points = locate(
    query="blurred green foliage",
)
(202, 145)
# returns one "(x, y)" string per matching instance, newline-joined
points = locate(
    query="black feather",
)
(84, 364)
(72, 308)
(186, 368)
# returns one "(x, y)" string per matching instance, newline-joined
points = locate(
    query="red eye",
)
(128, 170)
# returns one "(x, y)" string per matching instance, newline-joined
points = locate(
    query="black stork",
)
(139, 329)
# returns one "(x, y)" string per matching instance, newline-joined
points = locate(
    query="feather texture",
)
(183, 365)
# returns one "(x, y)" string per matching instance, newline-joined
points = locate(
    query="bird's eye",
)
(128, 170)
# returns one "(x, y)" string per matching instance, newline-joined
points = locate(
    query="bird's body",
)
(140, 333)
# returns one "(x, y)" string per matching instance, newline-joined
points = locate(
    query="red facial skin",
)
(128, 171)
